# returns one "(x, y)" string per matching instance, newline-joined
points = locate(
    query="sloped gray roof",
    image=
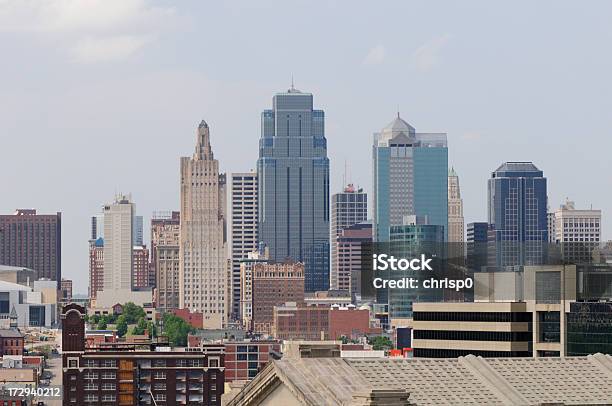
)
(466, 380)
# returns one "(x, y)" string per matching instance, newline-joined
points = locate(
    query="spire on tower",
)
(203, 151)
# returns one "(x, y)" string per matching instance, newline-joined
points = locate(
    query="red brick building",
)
(273, 285)
(11, 342)
(294, 321)
(96, 267)
(66, 295)
(244, 359)
(195, 319)
(33, 241)
(140, 268)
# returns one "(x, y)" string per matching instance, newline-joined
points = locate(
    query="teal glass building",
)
(410, 178)
(293, 188)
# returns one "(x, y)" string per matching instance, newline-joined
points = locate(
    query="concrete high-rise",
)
(578, 231)
(118, 244)
(518, 214)
(293, 175)
(410, 178)
(33, 241)
(203, 272)
(455, 209)
(243, 236)
(165, 264)
(347, 208)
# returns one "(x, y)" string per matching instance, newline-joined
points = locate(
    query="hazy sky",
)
(98, 97)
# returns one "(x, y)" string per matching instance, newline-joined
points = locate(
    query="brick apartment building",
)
(294, 321)
(33, 241)
(272, 285)
(194, 318)
(140, 267)
(136, 374)
(11, 342)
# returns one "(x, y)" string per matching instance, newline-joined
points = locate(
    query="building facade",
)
(165, 242)
(244, 359)
(518, 213)
(351, 244)
(293, 188)
(347, 208)
(33, 241)
(140, 268)
(577, 231)
(66, 292)
(203, 253)
(455, 209)
(96, 267)
(246, 284)
(243, 236)
(121, 374)
(273, 285)
(118, 244)
(410, 177)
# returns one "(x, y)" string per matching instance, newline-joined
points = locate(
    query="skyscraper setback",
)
(347, 208)
(203, 264)
(410, 178)
(293, 190)
(33, 241)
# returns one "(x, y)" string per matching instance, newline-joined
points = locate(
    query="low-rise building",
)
(244, 359)
(11, 342)
(136, 374)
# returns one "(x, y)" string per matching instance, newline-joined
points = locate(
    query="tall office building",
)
(455, 209)
(518, 213)
(347, 208)
(96, 267)
(165, 242)
(410, 177)
(203, 256)
(140, 267)
(351, 245)
(118, 244)
(578, 231)
(242, 194)
(97, 227)
(137, 231)
(293, 175)
(33, 241)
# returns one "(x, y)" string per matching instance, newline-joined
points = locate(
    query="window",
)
(73, 362)
(160, 375)
(109, 386)
(160, 397)
(109, 375)
(213, 362)
(109, 398)
(159, 386)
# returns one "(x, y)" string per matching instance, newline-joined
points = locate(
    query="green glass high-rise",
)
(410, 178)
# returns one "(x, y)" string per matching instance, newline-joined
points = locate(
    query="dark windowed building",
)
(293, 188)
(33, 241)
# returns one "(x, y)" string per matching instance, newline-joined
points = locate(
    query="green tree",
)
(176, 329)
(140, 327)
(102, 324)
(95, 319)
(133, 313)
(122, 326)
(380, 343)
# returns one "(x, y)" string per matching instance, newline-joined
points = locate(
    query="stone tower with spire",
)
(455, 209)
(202, 254)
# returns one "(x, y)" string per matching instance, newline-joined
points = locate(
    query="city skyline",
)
(140, 107)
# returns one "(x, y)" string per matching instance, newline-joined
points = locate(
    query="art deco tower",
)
(455, 208)
(203, 264)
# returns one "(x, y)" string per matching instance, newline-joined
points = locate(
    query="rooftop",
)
(466, 380)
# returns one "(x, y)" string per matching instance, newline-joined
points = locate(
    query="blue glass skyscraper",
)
(293, 188)
(518, 213)
(410, 178)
